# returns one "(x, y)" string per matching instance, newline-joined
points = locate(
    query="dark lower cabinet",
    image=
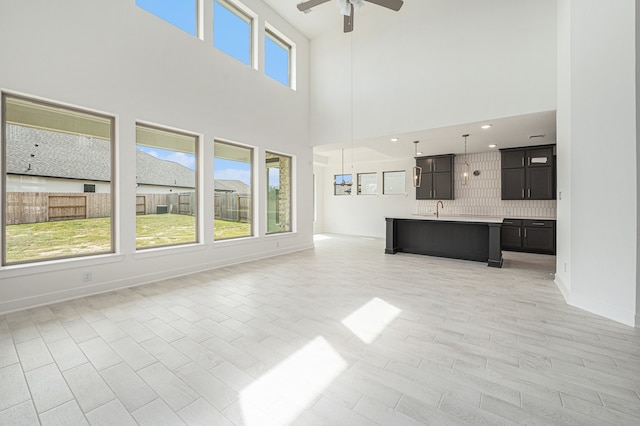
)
(531, 236)
(511, 234)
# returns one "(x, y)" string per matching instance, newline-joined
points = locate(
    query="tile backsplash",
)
(482, 194)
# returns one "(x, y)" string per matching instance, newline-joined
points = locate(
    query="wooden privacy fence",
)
(34, 207)
(232, 206)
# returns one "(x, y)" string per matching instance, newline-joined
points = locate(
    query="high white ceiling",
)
(506, 132)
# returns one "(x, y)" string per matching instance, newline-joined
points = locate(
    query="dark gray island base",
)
(457, 238)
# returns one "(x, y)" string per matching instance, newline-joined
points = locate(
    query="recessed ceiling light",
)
(394, 139)
(486, 126)
(493, 145)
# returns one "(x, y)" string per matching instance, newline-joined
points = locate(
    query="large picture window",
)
(51, 154)
(278, 193)
(232, 171)
(233, 30)
(166, 195)
(181, 13)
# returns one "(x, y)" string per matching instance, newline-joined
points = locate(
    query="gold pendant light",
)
(465, 163)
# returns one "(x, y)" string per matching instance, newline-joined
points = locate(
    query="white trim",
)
(608, 311)
(564, 290)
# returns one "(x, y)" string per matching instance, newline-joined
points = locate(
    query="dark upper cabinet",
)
(437, 178)
(425, 190)
(513, 184)
(528, 173)
(540, 182)
(513, 159)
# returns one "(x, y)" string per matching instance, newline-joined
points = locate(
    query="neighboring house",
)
(231, 185)
(44, 161)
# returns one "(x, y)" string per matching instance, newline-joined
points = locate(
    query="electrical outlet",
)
(87, 276)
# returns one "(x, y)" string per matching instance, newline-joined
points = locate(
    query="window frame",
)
(252, 197)
(113, 182)
(359, 184)
(384, 187)
(247, 15)
(336, 184)
(197, 176)
(279, 38)
(291, 193)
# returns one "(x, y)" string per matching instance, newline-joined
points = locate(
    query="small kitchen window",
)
(367, 183)
(342, 184)
(393, 183)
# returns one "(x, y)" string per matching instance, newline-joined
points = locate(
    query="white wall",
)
(563, 150)
(364, 214)
(598, 115)
(17, 183)
(434, 64)
(114, 57)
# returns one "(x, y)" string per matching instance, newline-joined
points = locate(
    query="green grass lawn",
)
(47, 240)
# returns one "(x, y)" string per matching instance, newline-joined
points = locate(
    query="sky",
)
(222, 169)
(181, 13)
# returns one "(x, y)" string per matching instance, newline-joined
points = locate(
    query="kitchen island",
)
(458, 237)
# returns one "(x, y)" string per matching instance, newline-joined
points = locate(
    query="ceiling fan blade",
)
(348, 22)
(389, 4)
(304, 6)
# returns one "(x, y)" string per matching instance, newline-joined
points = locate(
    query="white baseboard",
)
(564, 290)
(615, 313)
(92, 289)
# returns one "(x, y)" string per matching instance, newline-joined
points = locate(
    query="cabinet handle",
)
(430, 193)
(529, 196)
(523, 193)
(522, 161)
(538, 223)
(525, 232)
(507, 223)
(434, 194)
(519, 232)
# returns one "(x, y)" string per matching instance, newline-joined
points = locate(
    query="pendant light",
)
(465, 163)
(417, 170)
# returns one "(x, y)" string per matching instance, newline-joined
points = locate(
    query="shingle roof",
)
(231, 185)
(37, 152)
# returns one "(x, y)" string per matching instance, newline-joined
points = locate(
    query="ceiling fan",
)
(347, 8)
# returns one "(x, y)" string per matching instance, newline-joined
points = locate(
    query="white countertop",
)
(464, 218)
(452, 218)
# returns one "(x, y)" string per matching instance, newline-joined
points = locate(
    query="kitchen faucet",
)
(439, 203)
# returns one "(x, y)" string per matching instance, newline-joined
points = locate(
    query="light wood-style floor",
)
(339, 335)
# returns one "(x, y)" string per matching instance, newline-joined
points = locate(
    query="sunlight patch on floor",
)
(371, 319)
(320, 237)
(292, 386)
